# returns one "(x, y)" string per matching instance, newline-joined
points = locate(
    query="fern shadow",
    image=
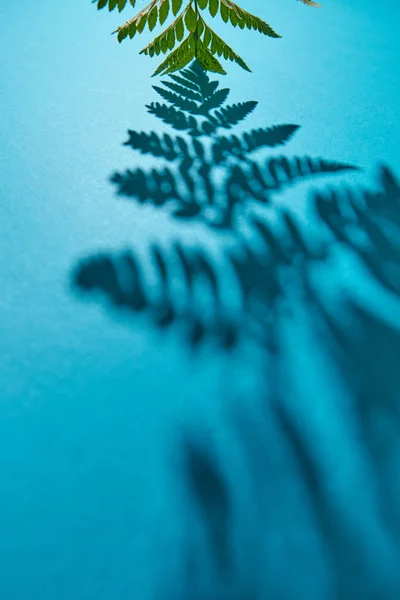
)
(244, 292)
(216, 179)
(209, 496)
(209, 175)
(366, 343)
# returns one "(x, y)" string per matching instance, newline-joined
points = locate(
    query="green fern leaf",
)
(190, 19)
(207, 46)
(152, 18)
(244, 18)
(179, 58)
(176, 6)
(163, 11)
(166, 40)
(220, 47)
(213, 6)
(207, 60)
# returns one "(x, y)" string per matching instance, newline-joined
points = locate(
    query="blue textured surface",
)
(92, 405)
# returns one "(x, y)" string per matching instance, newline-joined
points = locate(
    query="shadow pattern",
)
(209, 175)
(214, 178)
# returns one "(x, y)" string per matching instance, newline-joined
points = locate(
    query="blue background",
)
(92, 404)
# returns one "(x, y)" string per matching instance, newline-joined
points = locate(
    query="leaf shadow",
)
(188, 287)
(209, 494)
(210, 176)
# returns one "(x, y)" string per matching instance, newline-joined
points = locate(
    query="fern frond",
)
(201, 41)
(218, 46)
(167, 40)
(207, 59)
(179, 58)
(238, 16)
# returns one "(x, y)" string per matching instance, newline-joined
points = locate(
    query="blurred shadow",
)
(207, 176)
(365, 340)
(367, 224)
(246, 291)
(208, 491)
(184, 286)
(364, 343)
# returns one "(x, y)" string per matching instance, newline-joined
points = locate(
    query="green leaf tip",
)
(188, 36)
